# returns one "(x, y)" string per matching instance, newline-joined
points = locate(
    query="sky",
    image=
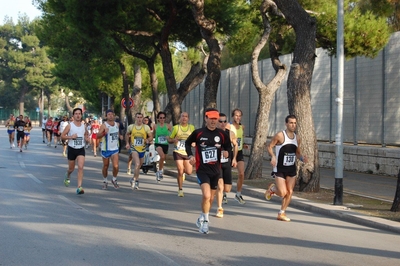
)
(12, 7)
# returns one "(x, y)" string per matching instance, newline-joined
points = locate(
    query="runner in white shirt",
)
(76, 134)
(109, 135)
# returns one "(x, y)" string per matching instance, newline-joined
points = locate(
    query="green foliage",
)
(365, 33)
(24, 63)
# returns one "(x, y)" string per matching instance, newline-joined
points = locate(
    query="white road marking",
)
(34, 178)
(73, 204)
(22, 164)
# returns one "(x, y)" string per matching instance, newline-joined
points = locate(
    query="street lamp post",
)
(338, 200)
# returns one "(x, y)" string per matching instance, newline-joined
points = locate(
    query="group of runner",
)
(21, 126)
(213, 149)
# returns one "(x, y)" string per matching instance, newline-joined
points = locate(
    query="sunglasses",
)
(222, 121)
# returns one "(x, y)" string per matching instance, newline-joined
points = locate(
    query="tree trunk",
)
(299, 85)
(136, 91)
(396, 201)
(22, 94)
(154, 86)
(192, 79)
(68, 106)
(266, 94)
(207, 28)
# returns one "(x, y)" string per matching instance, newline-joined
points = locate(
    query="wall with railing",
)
(371, 97)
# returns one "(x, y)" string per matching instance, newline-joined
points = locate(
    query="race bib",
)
(162, 139)
(224, 159)
(138, 142)
(209, 155)
(20, 128)
(114, 136)
(239, 140)
(181, 145)
(289, 159)
(78, 141)
(95, 131)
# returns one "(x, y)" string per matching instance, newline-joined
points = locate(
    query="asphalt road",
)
(45, 223)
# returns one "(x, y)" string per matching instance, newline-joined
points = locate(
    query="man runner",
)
(137, 135)
(76, 134)
(210, 143)
(287, 149)
(109, 135)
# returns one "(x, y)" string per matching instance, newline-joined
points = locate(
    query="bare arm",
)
(278, 138)
(65, 133)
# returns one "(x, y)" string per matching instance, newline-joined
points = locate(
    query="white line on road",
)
(22, 164)
(73, 204)
(34, 178)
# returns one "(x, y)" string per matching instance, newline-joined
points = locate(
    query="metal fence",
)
(371, 97)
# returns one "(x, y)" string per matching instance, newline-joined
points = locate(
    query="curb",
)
(339, 212)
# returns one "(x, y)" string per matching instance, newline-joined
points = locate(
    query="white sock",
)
(238, 193)
(280, 212)
(205, 216)
(114, 178)
(105, 180)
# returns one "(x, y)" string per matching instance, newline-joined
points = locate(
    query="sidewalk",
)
(367, 185)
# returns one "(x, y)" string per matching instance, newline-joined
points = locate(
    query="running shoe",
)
(158, 176)
(115, 184)
(161, 175)
(13, 145)
(204, 227)
(136, 184)
(239, 199)
(55, 146)
(132, 182)
(268, 194)
(224, 199)
(128, 171)
(80, 191)
(43, 141)
(282, 217)
(66, 180)
(20, 150)
(199, 222)
(26, 146)
(180, 193)
(220, 213)
(105, 185)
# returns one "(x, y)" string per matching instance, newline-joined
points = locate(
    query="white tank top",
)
(79, 142)
(110, 141)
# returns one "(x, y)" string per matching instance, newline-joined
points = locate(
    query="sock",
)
(105, 180)
(238, 193)
(280, 212)
(205, 216)
(114, 178)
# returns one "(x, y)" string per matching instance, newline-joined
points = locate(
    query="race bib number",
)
(20, 128)
(239, 140)
(162, 139)
(209, 155)
(181, 145)
(289, 159)
(78, 141)
(138, 142)
(114, 136)
(95, 131)
(224, 159)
